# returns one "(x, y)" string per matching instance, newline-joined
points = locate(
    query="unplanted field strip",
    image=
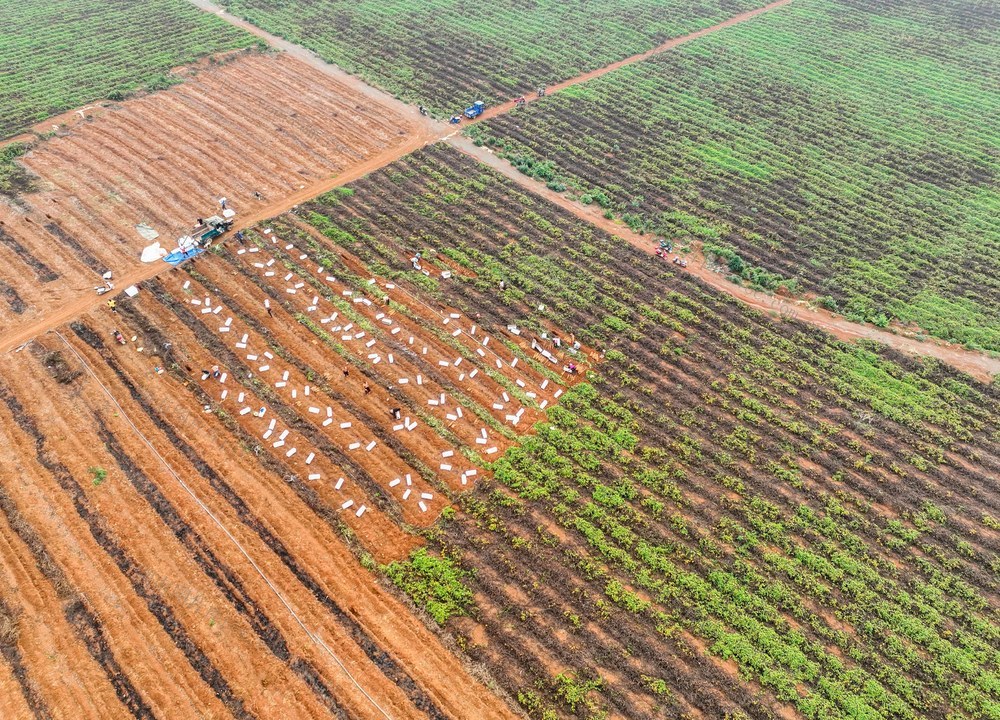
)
(316, 639)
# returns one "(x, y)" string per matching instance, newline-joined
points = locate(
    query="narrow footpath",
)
(428, 131)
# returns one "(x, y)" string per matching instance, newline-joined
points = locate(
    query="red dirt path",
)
(979, 365)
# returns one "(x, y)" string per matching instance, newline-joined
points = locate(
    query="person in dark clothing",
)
(396, 413)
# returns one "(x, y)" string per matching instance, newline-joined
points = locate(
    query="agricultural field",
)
(840, 149)
(732, 517)
(165, 159)
(339, 470)
(419, 442)
(207, 542)
(446, 53)
(59, 55)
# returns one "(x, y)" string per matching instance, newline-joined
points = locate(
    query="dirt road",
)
(421, 131)
(979, 365)
(495, 110)
(425, 131)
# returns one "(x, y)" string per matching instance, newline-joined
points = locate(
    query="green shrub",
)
(434, 582)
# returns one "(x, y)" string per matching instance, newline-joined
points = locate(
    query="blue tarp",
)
(177, 257)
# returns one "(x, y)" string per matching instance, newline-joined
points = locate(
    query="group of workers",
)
(664, 250)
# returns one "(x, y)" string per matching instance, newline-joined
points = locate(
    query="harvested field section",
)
(261, 123)
(230, 631)
(129, 608)
(735, 515)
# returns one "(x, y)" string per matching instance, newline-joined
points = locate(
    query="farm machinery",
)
(191, 245)
(477, 109)
(208, 229)
(471, 113)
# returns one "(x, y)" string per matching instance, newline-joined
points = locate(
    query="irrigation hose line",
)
(312, 636)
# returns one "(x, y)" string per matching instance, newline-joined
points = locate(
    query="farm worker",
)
(239, 236)
(503, 285)
(215, 372)
(222, 202)
(205, 374)
(267, 306)
(260, 413)
(423, 110)
(346, 371)
(112, 305)
(257, 195)
(396, 413)
(368, 388)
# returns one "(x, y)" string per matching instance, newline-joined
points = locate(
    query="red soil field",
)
(261, 123)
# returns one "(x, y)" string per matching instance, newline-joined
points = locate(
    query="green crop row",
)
(446, 54)
(62, 54)
(843, 149)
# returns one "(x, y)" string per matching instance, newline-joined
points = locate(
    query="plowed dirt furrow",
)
(117, 162)
(318, 552)
(50, 651)
(14, 678)
(14, 703)
(296, 585)
(78, 614)
(383, 616)
(225, 579)
(142, 587)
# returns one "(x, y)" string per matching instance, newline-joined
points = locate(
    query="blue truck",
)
(477, 109)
